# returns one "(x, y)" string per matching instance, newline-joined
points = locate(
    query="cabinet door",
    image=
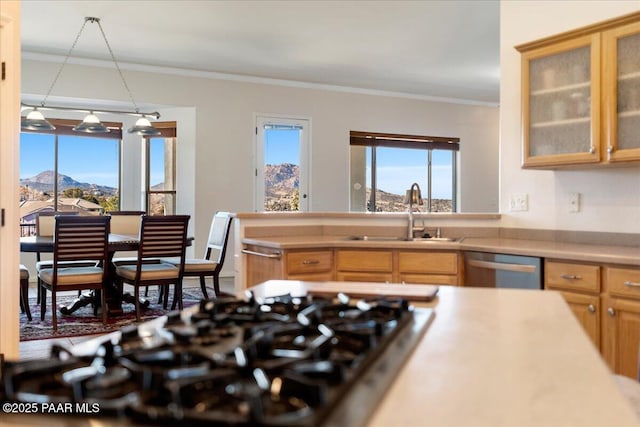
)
(621, 92)
(621, 335)
(561, 103)
(586, 308)
(363, 260)
(262, 265)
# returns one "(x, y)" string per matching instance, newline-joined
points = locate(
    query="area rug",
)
(84, 322)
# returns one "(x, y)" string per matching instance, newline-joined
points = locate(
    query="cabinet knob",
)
(592, 150)
(611, 311)
(591, 308)
(610, 149)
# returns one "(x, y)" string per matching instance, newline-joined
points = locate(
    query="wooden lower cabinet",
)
(621, 319)
(621, 335)
(439, 268)
(364, 265)
(264, 264)
(579, 284)
(310, 265)
(586, 309)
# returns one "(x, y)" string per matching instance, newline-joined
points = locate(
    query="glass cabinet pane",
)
(628, 94)
(559, 103)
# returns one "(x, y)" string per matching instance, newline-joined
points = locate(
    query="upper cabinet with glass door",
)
(621, 92)
(578, 96)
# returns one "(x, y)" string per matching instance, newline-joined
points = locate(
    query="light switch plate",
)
(574, 202)
(519, 202)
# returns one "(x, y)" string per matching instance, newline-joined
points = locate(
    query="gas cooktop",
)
(279, 361)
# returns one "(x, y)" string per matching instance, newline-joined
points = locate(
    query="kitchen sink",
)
(404, 239)
(438, 239)
(377, 238)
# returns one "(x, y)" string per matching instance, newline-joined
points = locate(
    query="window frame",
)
(168, 131)
(401, 141)
(64, 127)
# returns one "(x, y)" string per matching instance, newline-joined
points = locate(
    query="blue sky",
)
(91, 160)
(397, 168)
(281, 146)
(95, 161)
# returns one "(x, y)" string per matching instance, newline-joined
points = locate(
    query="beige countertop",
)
(490, 357)
(624, 255)
(500, 357)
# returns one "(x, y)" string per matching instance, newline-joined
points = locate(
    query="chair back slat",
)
(163, 236)
(81, 238)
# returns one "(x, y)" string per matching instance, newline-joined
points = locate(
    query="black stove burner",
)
(282, 361)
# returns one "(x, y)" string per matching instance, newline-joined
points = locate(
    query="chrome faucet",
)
(413, 195)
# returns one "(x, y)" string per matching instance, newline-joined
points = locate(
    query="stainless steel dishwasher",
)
(488, 270)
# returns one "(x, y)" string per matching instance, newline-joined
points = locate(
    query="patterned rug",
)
(83, 321)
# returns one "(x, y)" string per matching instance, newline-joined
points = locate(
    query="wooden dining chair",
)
(126, 222)
(77, 238)
(211, 263)
(45, 223)
(160, 237)
(24, 291)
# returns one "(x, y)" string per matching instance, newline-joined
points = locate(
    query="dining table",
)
(114, 294)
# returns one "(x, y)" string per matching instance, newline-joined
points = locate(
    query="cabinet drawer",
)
(428, 262)
(309, 262)
(624, 282)
(428, 279)
(571, 276)
(364, 277)
(364, 261)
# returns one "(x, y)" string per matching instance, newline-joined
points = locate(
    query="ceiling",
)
(425, 49)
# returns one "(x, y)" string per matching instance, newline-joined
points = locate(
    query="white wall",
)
(219, 132)
(610, 197)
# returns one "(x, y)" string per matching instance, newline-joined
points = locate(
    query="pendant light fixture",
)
(36, 121)
(91, 123)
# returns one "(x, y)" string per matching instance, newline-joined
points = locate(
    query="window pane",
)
(36, 162)
(281, 169)
(157, 165)
(88, 169)
(161, 179)
(442, 180)
(397, 169)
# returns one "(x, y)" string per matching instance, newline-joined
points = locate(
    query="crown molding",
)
(34, 56)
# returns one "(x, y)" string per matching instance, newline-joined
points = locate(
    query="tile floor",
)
(40, 348)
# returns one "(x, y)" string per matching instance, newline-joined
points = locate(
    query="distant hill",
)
(280, 179)
(43, 182)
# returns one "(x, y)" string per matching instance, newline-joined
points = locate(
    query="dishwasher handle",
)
(275, 255)
(520, 268)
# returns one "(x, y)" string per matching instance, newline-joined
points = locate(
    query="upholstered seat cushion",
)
(24, 272)
(133, 260)
(149, 271)
(73, 275)
(194, 265)
(42, 265)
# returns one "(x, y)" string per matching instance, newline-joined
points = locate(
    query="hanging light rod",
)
(91, 124)
(155, 115)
